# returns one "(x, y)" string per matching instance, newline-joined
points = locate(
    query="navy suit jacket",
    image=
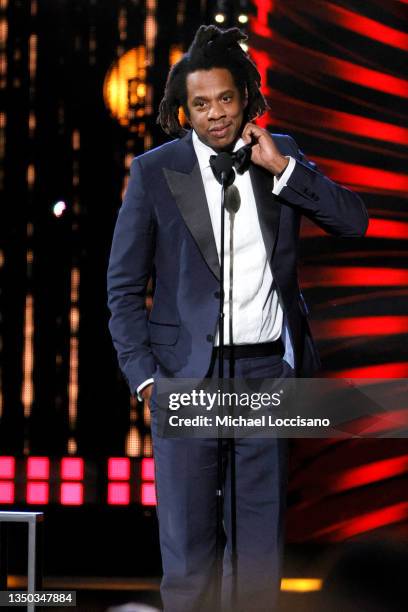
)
(164, 228)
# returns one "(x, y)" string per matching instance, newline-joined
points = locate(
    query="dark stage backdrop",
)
(80, 82)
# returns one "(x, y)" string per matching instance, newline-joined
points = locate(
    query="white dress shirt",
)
(256, 312)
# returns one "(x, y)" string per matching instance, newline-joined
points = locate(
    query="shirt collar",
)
(203, 151)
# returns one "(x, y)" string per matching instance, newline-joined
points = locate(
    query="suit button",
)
(210, 338)
(217, 295)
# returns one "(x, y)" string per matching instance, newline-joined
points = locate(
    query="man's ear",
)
(245, 97)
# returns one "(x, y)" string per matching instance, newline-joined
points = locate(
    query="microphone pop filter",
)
(232, 199)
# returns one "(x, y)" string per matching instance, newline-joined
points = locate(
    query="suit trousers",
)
(186, 483)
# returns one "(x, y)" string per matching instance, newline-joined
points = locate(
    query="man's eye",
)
(227, 98)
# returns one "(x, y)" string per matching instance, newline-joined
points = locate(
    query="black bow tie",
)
(241, 160)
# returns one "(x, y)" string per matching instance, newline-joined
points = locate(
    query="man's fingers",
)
(250, 131)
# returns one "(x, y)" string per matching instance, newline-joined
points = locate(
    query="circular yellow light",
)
(243, 18)
(125, 83)
(219, 18)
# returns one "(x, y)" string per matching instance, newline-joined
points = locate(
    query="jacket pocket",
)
(163, 333)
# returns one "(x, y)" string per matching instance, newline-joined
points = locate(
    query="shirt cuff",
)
(279, 184)
(140, 388)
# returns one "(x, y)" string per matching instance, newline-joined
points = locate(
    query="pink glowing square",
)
(37, 493)
(147, 469)
(72, 493)
(118, 493)
(7, 467)
(6, 492)
(118, 468)
(38, 468)
(148, 494)
(72, 468)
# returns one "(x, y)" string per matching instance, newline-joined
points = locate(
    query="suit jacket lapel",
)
(268, 206)
(186, 185)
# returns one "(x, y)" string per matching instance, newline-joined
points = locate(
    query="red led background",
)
(335, 75)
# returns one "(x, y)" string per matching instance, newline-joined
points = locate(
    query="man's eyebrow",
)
(222, 93)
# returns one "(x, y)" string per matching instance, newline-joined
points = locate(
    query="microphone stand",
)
(220, 502)
(233, 495)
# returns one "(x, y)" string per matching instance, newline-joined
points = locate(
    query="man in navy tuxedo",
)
(169, 225)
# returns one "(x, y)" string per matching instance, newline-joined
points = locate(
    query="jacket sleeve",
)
(335, 208)
(129, 270)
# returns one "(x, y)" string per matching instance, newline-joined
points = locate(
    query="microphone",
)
(222, 166)
(232, 199)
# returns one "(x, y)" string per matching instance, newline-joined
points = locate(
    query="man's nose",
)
(216, 111)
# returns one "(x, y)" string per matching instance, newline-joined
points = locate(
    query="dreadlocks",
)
(211, 48)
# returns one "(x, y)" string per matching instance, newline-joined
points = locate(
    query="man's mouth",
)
(220, 131)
